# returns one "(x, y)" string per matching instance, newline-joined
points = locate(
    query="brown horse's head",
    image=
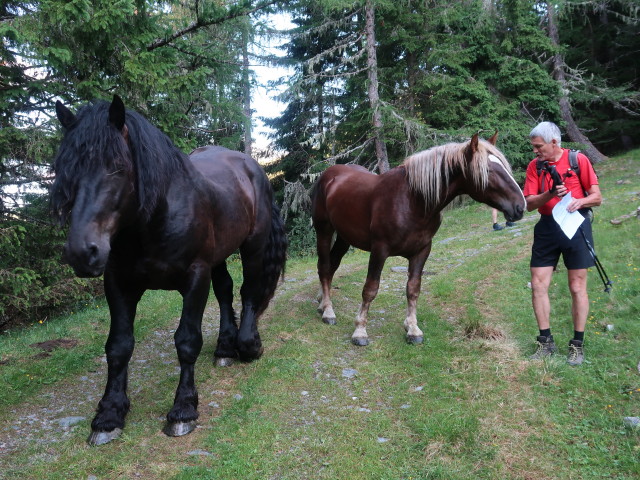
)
(498, 189)
(476, 168)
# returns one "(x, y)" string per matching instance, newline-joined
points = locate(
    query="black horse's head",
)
(94, 182)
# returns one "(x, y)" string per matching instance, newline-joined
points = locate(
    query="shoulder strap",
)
(541, 173)
(573, 161)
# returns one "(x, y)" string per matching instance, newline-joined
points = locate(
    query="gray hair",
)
(547, 131)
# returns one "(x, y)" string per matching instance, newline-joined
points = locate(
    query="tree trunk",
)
(374, 98)
(246, 85)
(573, 131)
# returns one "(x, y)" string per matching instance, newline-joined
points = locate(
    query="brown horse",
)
(398, 213)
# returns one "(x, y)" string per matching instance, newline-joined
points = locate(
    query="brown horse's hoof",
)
(329, 320)
(179, 429)
(224, 361)
(360, 341)
(100, 438)
(414, 340)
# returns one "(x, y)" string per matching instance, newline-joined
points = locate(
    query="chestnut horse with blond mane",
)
(398, 212)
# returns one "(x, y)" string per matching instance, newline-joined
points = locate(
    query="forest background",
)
(371, 82)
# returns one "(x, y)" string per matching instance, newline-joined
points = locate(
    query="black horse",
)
(149, 217)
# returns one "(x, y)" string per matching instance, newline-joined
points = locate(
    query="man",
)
(549, 241)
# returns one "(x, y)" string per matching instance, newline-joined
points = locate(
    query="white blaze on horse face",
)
(495, 159)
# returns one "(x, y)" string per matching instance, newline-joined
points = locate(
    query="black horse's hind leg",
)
(181, 419)
(249, 345)
(113, 407)
(228, 334)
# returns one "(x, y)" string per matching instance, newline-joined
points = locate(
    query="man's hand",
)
(575, 204)
(560, 190)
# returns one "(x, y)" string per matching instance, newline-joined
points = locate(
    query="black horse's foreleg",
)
(228, 333)
(181, 419)
(114, 405)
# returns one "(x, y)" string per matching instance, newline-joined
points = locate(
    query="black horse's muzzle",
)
(88, 259)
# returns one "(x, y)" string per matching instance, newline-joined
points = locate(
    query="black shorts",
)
(549, 242)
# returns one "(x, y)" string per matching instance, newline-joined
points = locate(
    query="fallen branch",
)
(622, 218)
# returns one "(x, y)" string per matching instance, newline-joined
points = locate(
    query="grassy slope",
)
(467, 404)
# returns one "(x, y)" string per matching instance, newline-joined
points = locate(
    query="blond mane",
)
(429, 171)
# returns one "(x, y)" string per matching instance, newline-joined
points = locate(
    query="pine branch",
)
(199, 23)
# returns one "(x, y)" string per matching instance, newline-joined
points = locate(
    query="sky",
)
(263, 102)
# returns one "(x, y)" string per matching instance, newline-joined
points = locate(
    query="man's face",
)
(544, 151)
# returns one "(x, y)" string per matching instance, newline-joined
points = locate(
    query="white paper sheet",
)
(569, 222)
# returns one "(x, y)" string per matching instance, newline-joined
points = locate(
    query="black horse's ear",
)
(64, 115)
(494, 138)
(117, 113)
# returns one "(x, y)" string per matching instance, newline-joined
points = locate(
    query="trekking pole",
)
(603, 275)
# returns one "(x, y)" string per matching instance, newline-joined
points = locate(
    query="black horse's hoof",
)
(251, 354)
(360, 341)
(329, 320)
(100, 438)
(224, 361)
(414, 340)
(178, 429)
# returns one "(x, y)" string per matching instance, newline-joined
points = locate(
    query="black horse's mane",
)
(93, 144)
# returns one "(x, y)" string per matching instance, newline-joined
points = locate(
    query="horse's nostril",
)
(92, 253)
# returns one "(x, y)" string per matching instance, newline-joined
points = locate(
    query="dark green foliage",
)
(302, 237)
(449, 69)
(603, 43)
(34, 282)
(53, 49)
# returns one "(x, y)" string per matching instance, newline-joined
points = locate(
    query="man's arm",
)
(536, 201)
(593, 199)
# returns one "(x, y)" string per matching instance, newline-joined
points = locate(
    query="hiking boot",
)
(576, 353)
(497, 226)
(510, 224)
(546, 347)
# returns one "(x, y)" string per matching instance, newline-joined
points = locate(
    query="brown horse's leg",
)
(369, 292)
(338, 250)
(416, 264)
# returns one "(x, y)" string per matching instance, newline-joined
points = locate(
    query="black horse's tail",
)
(275, 257)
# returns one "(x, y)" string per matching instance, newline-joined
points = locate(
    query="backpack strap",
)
(573, 161)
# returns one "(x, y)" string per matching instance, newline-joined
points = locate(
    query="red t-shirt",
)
(534, 184)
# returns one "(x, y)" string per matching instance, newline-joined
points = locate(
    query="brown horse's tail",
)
(275, 257)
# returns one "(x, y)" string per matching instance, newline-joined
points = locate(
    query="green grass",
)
(466, 404)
